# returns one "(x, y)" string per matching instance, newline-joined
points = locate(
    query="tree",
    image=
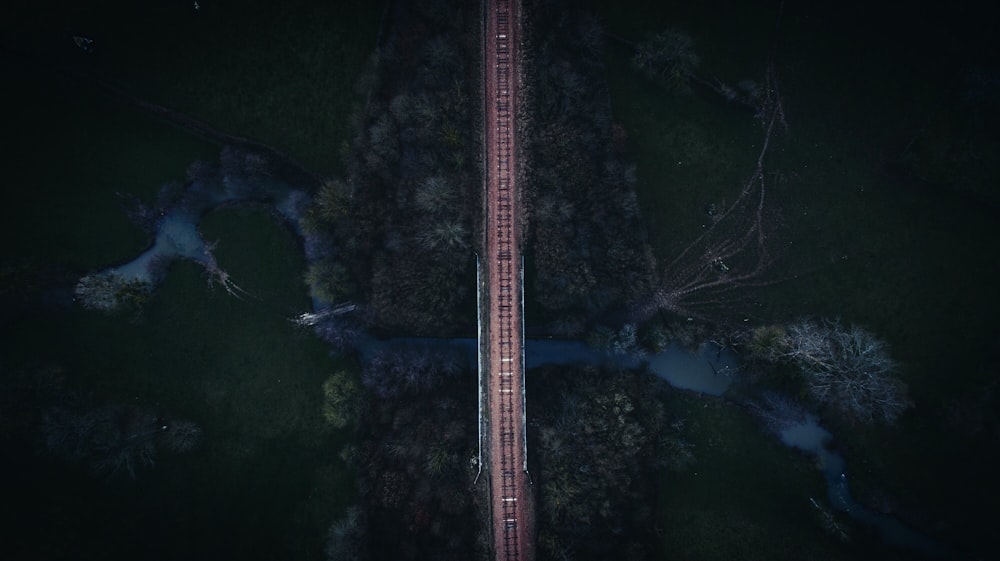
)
(114, 440)
(435, 194)
(341, 393)
(623, 342)
(343, 334)
(447, 233)
(383, 144)
(766, 343)
(604, 435)
(440, 54)
(332, 203)
(847, 368)
(346, 538)
(583, 220)
(330, 281)
(110, 291)
(668, 58)
(391, 373)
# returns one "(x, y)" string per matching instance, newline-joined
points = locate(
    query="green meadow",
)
(853, 241)
(266, 478)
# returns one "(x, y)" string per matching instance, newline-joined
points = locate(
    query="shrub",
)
(668, 58)
(341, 393)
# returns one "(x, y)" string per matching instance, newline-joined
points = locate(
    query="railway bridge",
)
(501, 336)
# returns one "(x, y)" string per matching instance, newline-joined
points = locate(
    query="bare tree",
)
(180, 436)
(847, 368)
(218, 275)
(390, 373)
(115, 440)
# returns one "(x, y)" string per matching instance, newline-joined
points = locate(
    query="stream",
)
(177, 235)
(809, 437)
(706, 371)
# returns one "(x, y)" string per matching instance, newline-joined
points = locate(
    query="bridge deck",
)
(511, 504)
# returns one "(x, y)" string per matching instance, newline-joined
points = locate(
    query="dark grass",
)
(747, 496)
(68, 150)
(267, 479)
(283, 74)
(910, 262)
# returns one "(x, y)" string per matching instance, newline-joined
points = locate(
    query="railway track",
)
(511, 506)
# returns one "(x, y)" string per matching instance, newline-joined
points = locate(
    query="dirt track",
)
(511, 500)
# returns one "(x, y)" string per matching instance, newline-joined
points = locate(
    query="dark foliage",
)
(602, 439)
(390, 374)
(244, 172)
(404, 217)
(342, 333)
(114, 440)
(585, 228)
(667, 58)
(417, 436)
(345, 539)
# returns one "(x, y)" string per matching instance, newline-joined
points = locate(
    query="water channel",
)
(707, 371)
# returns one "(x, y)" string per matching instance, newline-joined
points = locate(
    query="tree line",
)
(585, 232)
(416, 436)
(602, 438)
(398, 228)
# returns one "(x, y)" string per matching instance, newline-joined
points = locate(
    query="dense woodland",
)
(586, 237)
(600, 437)
(403, 218)
(397, 234)
(417, 435)
(403, 221)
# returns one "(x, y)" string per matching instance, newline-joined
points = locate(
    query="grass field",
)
(908, 262)
(746, 496)
(238, 369)
(67, 158)
(267, 478)
(281, 74)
